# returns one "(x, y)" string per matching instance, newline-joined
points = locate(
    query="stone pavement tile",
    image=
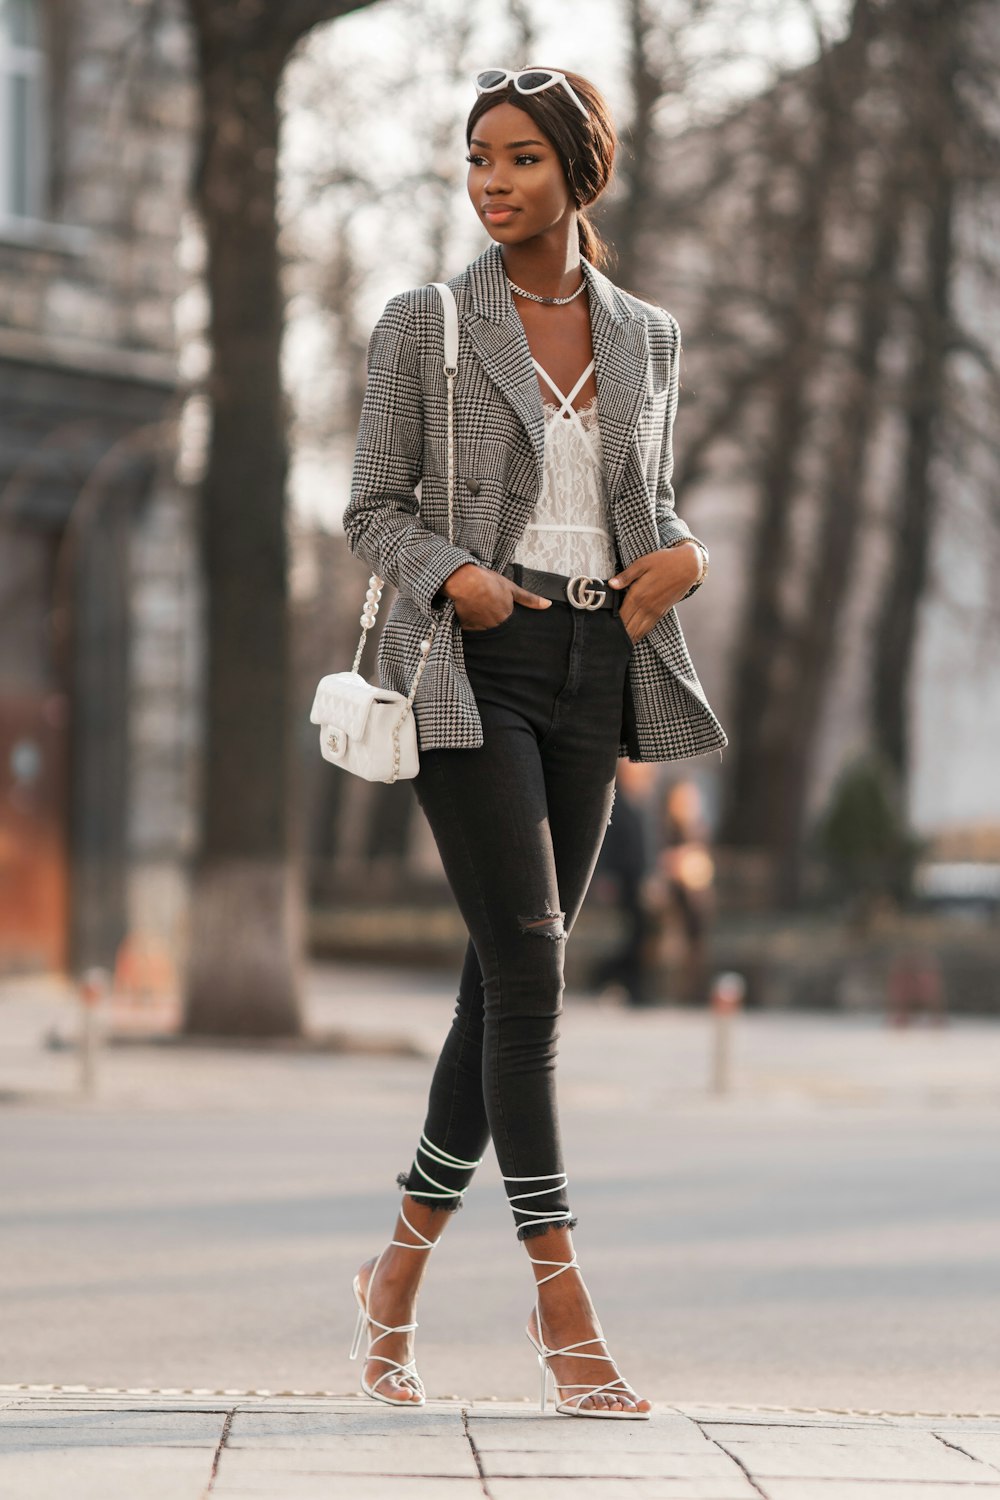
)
(915, 1455)
(793, 1420)
(952, 1423)
(875, 1489)
(389, 1454)
(346, 1487)
(738, 1488)
(272, 1429)
(875, 1434)
(566, 1464)
(105, 1474)
(117, 1403)
(20, 1429)
(776, 1416)
(983, 1446)
(547, 1432)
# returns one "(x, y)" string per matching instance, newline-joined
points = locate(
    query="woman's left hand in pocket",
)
(653, 584)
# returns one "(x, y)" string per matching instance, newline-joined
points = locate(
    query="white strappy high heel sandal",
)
(406, 1373)
(570, 1406)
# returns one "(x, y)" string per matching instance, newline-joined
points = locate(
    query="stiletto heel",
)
(543, 1395)
(359, 1326)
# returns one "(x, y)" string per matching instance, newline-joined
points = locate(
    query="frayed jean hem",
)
(527, 1230)
(447, 1206)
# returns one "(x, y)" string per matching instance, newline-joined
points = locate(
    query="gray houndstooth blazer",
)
(397, 515)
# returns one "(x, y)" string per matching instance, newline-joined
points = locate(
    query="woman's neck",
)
(546, 270)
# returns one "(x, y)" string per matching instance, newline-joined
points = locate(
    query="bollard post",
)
(93, 986)
(725, 999)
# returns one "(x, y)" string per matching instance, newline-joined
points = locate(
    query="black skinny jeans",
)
(519, 824)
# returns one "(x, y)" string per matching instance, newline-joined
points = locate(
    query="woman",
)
(557, 650)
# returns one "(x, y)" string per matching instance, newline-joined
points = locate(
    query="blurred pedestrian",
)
(915, 986)
(626, 862)
(689, 872)
(568, 554)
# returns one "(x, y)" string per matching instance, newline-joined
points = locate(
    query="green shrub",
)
(863, 838)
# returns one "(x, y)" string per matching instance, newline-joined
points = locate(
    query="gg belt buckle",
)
(582, 596)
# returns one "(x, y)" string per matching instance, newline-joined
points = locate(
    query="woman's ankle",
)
(418, 1228)
(418, 1222)
(550, 1250)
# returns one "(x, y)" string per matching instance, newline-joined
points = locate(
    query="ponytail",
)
(592, 247)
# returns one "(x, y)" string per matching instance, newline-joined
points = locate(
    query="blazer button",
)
(472, 485)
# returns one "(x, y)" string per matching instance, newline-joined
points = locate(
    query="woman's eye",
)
(476, 161)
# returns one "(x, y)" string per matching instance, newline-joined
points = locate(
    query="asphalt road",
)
(828, 1235)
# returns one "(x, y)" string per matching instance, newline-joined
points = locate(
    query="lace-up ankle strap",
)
(564, 1265)
(426, 1243)
(557, 1181)
(427, 1148)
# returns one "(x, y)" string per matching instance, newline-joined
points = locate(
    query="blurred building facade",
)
(98, 596)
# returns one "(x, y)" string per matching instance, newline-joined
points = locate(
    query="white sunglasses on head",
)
(526, 81)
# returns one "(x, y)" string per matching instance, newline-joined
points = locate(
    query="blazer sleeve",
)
(382, 518)
(672, 530)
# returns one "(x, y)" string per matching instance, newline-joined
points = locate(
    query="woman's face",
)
(516, 181)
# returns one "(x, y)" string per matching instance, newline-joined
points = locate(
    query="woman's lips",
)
(498, 215)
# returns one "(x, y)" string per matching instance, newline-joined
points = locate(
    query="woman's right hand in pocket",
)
(484, 598)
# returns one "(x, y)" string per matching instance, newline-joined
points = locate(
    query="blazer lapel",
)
(498, 337)
(621, 359)
(622, 368)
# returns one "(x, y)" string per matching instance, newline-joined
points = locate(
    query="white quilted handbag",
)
(367, 729)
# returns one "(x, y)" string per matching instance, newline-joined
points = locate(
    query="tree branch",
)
(291, 20)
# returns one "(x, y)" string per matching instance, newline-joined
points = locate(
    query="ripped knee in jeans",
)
(551, 924)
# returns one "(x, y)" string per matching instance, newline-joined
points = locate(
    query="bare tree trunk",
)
(813, 647)
(754, 813)
(638, 172)
(246, 909)
(934, 37)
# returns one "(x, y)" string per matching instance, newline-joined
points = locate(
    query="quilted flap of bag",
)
(345, 699)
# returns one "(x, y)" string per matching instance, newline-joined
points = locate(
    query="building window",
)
(22, 113)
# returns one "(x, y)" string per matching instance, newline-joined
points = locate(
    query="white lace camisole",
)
(567, 531)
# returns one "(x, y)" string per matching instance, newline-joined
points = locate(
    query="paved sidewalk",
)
(66, 1444)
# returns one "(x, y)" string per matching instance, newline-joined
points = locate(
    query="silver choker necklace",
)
(554, 301)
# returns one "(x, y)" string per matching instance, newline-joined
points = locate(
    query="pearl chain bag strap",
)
(371, 730)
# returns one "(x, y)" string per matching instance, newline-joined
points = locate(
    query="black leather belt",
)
(582, 591)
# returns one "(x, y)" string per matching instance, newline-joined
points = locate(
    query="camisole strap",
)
(565, 401)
